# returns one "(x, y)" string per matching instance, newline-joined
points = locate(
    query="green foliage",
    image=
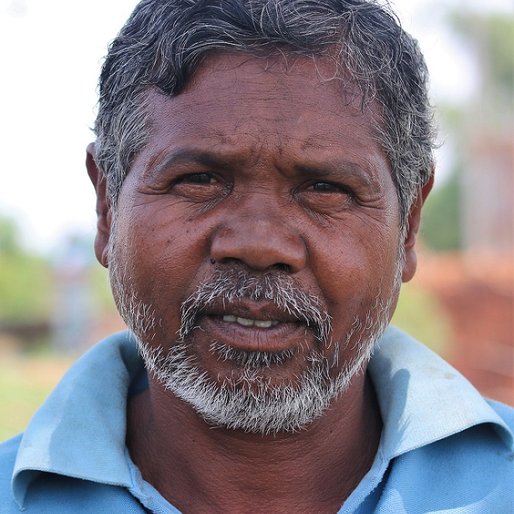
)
(101, 291)
(24, 278)
(494, 34)
(8, 237)
(27, 281)
(419, 314)
(441, 220)
(491, 38)
(500, 46)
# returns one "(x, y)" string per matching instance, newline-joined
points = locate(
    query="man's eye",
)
(328, 187)
(197, 178)
(204, 186)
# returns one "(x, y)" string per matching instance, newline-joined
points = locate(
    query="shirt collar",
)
(80, 430)
(422, 399)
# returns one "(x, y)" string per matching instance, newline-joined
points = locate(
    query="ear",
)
(103, 207)
(414, 220)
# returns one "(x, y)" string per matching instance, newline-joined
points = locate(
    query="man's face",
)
(255, 250)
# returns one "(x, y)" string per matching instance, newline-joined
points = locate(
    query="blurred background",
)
(54, 298)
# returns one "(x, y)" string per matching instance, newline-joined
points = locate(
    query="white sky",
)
(51, 57)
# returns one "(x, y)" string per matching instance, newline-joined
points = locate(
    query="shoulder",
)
(505, 412)
(471, 471)
(449, 447)
(56, 494)
(71, 457)
(8, 453)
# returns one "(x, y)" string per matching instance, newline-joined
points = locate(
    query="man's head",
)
(260, 168)
(164, 42)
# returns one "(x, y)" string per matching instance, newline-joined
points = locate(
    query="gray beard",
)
(250, 403)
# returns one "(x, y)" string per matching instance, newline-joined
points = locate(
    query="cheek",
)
(163, 259)
(355, 270)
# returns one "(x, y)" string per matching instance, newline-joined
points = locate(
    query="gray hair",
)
(164, 41)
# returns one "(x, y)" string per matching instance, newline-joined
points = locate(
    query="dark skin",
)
(261, 165)
(219, 470)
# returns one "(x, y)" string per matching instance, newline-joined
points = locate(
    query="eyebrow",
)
(210, 159)
(193, 155)
(336, 167)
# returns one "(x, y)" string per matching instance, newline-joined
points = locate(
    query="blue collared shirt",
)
(443, 447)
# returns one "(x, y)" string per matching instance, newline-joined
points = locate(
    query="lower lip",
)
(280, 337)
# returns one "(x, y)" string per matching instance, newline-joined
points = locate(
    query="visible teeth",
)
(245, 322)
(263, 324)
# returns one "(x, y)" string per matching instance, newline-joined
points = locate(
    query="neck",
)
(200, 468)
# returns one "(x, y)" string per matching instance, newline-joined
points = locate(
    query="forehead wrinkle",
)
(228, 132)
(322, 153)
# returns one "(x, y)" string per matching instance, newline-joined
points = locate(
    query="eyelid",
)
(185, 176)
(344, 188)
(217, 188)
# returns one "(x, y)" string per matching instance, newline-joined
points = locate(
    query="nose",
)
(260, 241)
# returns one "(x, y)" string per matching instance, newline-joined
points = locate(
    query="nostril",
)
(280, 266)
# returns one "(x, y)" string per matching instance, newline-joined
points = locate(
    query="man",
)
(260, 169)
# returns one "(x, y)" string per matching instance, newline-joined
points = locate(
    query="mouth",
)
(252, 315)
(248, 322)
(254, 327)
(235, 304)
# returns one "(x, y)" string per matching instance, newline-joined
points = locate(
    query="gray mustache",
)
(278, 288)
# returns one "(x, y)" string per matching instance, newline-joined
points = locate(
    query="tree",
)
(24, 278)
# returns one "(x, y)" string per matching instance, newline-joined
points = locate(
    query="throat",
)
(198, 468)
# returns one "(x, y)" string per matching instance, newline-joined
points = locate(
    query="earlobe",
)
(414, 220)
(103, 207)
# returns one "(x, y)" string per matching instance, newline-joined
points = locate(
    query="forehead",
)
(239, 103)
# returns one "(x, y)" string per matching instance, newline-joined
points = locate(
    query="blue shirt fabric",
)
(443, 447)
